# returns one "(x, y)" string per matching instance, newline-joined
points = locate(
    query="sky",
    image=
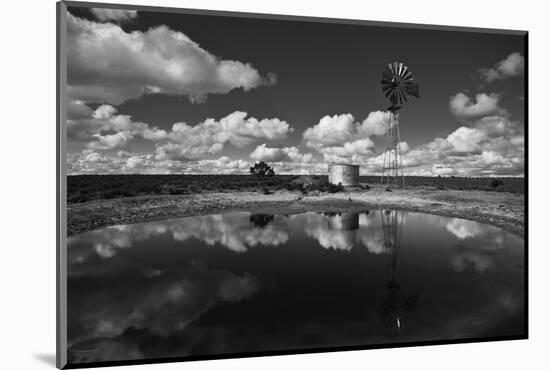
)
(153, 92)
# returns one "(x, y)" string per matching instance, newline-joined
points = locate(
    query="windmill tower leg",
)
(392, 169)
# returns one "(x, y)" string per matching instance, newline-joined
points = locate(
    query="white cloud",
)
(340, 139)
(334, 130)
(109, 65)
(466, 139)
(209, 137)
(104, 112)
(222, 165)
(78, 110)
(491, 146)
(110, 141)
(463, 107)
(104, 129)
(97, 127)
(94, 157)
(121, 15)
(376, 123)
(512, 66)
(352, 151)
(404, 147)
(286, 154)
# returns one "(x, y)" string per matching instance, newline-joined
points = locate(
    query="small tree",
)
(261, 169)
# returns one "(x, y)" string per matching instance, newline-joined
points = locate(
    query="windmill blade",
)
(400, 69)
(403, 71)
(395, 67)
(387, 75)
(408, 76)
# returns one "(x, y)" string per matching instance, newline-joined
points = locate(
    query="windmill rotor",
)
(398, 84)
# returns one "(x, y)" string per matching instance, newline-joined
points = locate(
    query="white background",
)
(27, 203)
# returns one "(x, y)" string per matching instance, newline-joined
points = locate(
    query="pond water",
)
(243, 283)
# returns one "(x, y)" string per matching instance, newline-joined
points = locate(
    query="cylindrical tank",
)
(345, 174)
(343, 222)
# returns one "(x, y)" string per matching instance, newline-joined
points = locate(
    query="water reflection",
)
(396, 303)
(241, 282)
(261, 220)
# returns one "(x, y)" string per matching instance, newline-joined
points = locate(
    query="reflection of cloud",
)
(479, 261)
(373, 240)
(160, 306)
(473, 235)
(478, 242)
(463, 228)
(317, 227)
(234, 231)
(512, 302)
(342, 240)
(108, 349)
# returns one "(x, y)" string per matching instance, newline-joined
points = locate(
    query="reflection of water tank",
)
(345, 221)
(346, 174)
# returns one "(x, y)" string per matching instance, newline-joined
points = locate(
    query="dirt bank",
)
(505, 210)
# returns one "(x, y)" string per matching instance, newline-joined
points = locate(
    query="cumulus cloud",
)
(490, 146)
(466, 139)
(110, 141)
(223, 165)
(341, 139)
(104, 129)
(485, 104)
(106, 64)
(512, 66)
(120, 15)
(89, 161)
(209, 137)
(264, 153)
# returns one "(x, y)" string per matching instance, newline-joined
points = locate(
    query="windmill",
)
(397, 84)
(396, 304)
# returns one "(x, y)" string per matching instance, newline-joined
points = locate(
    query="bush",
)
(495, 183)
(177, 191)
(262, 169)
(335, 188)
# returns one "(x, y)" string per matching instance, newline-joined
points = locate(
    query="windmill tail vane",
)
(397, 85)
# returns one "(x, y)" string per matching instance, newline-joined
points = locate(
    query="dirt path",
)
(505, 210)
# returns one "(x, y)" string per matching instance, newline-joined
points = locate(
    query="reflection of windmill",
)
(395, 304)
(397, 84)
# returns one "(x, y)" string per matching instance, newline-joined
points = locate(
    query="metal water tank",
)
(345, 174)
(343, 221)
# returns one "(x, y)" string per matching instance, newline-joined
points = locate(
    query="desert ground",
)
(504, 209)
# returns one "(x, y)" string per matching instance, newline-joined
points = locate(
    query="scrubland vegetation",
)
(83, 188)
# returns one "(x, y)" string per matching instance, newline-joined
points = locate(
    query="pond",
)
(244, 283)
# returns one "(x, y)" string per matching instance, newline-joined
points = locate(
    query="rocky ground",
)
(502, 209)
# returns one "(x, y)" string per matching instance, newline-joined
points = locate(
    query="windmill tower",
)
(397, 84)
(396, 305)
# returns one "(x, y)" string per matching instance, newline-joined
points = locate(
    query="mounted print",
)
(234, 185)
